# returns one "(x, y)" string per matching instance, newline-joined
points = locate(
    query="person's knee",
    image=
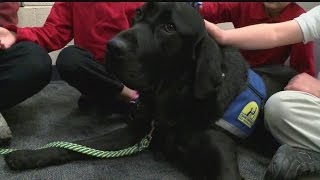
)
(29, 48)
(36, 61)
(34, 53)
(275, 109)
(68, 60)
(29, 70)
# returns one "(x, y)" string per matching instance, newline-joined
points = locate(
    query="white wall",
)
(308, 5)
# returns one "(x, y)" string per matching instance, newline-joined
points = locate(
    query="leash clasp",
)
(149, 136)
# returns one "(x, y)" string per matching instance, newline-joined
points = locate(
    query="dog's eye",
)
(170, 27)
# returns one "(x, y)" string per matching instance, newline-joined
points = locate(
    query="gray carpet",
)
(53, 115)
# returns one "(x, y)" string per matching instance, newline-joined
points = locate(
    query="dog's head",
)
(165, 39)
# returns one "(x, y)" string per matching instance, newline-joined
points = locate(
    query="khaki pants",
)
(293, 118)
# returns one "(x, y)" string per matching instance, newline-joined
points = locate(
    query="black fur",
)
(168, 56)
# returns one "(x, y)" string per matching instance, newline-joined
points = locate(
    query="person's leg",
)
(293, 118)
(25, 69)
(77, 67)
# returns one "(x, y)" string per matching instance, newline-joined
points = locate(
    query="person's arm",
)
(302, 58)
(259, 36)
(8, 13)
(56, 32)
(265, 36)
(310, 24)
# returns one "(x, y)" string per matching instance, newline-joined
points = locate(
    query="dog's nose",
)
(116, 47)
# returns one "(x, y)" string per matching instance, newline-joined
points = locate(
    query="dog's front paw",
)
(22, 159)
(27, 159)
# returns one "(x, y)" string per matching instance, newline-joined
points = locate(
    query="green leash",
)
(140, 146)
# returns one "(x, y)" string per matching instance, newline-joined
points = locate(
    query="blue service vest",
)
(242, 114)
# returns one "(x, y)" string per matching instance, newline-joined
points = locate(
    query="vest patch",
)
(249, 114)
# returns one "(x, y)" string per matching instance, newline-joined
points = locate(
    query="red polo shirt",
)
(91, 24)
(8, 13)
(248, 13)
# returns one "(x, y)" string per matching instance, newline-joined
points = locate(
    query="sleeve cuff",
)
(11, 27)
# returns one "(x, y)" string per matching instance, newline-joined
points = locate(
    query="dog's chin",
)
(129, 74)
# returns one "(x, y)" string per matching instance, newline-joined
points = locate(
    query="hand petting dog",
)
(306, 83)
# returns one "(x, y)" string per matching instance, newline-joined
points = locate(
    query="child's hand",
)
(215, 32)
(306, 83)
(7, 38)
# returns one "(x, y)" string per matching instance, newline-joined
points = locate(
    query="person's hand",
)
(306, 83)
(215, 32)
(7, 38)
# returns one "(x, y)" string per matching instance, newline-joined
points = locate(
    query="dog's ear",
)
(208, 74)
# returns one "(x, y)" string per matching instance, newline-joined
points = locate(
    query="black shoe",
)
(290, 163)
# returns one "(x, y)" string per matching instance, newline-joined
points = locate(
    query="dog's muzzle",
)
(117, 47)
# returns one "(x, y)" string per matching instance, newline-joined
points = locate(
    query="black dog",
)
(187, 80)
